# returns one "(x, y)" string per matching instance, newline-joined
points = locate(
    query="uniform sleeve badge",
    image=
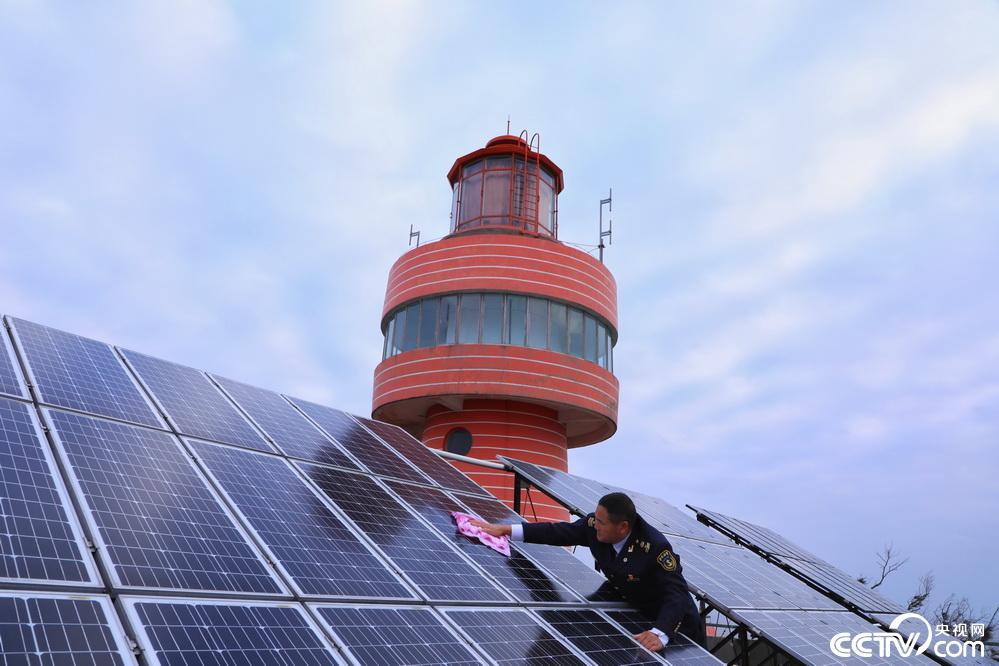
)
(667, 560)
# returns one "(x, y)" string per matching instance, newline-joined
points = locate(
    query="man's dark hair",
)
(619, 508)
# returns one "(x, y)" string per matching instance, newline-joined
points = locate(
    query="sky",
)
(806, 224)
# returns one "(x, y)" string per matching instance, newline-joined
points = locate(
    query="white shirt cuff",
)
(516, 532)
(663, 637)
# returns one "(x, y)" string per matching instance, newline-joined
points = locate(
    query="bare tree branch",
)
(922, 593)
(890, 563)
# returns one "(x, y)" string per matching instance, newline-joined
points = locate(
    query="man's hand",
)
(649, 641)
(490, 528)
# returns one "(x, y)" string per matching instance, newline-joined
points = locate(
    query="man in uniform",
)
(635, 557)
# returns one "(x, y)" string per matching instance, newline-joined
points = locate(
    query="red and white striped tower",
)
(499, 338)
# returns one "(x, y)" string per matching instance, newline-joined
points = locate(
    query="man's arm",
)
(553, 534)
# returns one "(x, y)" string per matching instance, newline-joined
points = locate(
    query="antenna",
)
(610, 223)
(508, 123)
(412, 235)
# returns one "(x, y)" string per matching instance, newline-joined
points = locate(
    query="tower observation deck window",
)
(507, 193)
(495, 318)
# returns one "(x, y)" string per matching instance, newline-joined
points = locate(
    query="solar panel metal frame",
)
(446, 610)
(420, 476)
(220, 382)
(500, 603)
(72, 517)
(171, 421)
(311, 487)
(7, 347)
(523, 468)
(574, 600)
(122, 640)
(537, 610)
(446, 624)
(472, 485)
(160, 422)
(109, 568)
(138, 630)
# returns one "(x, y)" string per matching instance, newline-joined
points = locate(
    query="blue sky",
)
(806, 224)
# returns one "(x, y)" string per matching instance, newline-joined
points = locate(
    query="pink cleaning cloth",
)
(499, 544)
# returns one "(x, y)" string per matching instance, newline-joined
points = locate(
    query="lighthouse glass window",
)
(500, 192)
(494, 319)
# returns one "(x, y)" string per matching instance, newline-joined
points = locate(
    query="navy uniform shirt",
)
(646, 572)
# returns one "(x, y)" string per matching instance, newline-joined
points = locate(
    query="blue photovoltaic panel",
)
(10, 378)
(733, 577)
(188, 632)
(193, 404)
(580, 578)
(806, 635)
(38, 629)
(39, 539)
(285, 425)
(832, 581)
(681, 651)
(395, 636)
(913, 626)
(157, 523)
(320, 554)
(439, 571)
(438, 469)
(512, 637)
(597, 638)
(578, 493)
(351, 435)
(78, 373)
(518, 575)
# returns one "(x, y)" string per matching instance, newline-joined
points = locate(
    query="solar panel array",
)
(720, 571)
(149, 505)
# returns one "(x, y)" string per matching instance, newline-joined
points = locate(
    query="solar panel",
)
(579, 577)
(732, 577)
(426, 559)
(395, 636)
(189, 632)
(10, 378)
(315, 549)
(671, 520)
(582, 496)
(754, 536)
(352, 436)
(79, 373)
(192, 404)
(54, 630)
(680, 651)
(518, 575)
(156, 523)
(512, 636)
(830, 580)
(429, 463)
(40, 539)
(285, 425)
(597, 638)
(579, 494)
(805, 636)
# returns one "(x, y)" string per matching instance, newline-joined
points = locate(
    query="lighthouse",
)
(499, 338)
